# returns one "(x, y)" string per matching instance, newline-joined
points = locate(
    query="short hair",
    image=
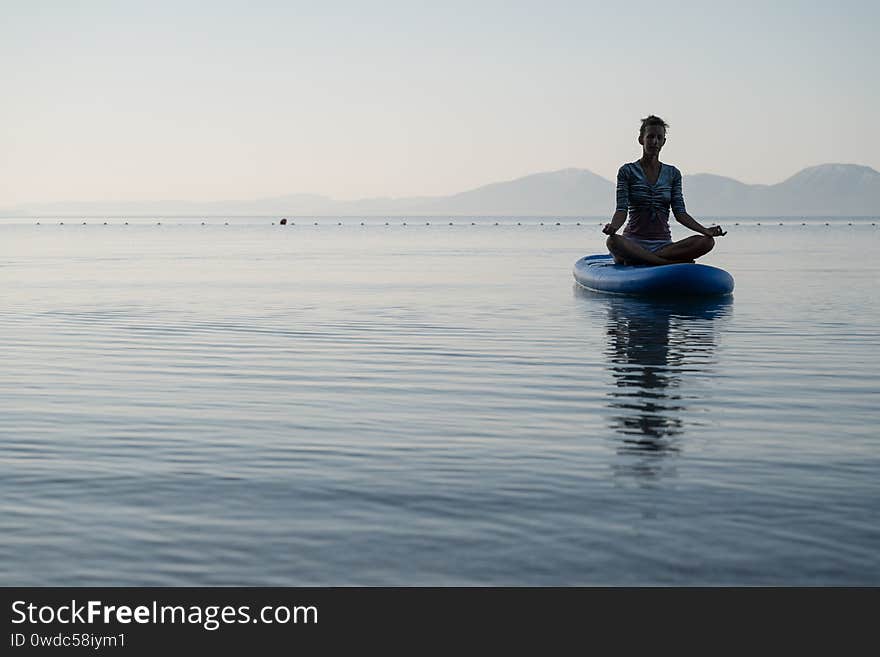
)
(652, 120)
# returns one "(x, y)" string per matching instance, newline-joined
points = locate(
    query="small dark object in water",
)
(283, 222)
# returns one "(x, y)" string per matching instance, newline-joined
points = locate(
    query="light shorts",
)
(651, 245)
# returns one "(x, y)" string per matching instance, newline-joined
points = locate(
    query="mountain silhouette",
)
(827, 190)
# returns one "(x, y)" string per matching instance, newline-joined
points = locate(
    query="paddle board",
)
(598, 272)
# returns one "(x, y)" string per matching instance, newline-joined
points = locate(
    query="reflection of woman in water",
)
(653, 350)
(640, 360)
(647, 188)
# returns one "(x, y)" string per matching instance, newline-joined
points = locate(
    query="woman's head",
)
(652, 135)
(652, 121)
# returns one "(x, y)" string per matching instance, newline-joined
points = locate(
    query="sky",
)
(222, 100)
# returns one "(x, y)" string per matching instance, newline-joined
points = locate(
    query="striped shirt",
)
(648, 204)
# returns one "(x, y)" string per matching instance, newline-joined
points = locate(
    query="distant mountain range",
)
(827, 190)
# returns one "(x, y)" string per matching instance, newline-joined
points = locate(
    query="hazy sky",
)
(226, 100)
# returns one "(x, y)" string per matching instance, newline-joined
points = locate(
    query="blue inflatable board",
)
(598, 272)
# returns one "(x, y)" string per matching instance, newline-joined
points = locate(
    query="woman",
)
(647, 188)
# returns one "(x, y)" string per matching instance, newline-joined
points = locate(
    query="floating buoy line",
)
(285, 222)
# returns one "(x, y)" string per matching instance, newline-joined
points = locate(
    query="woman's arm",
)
(616, 222)
(681, 215)
(689, 222)
(622, 197)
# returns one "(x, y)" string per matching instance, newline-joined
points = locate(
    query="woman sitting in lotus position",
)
(647, 188)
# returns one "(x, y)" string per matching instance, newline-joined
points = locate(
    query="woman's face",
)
(653, 139)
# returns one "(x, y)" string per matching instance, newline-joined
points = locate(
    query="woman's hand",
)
(617, 220)
(715, 231)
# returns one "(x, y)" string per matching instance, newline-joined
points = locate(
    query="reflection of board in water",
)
(653, 346)
(598, 272)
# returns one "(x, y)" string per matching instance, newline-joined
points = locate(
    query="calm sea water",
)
(436, 405)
